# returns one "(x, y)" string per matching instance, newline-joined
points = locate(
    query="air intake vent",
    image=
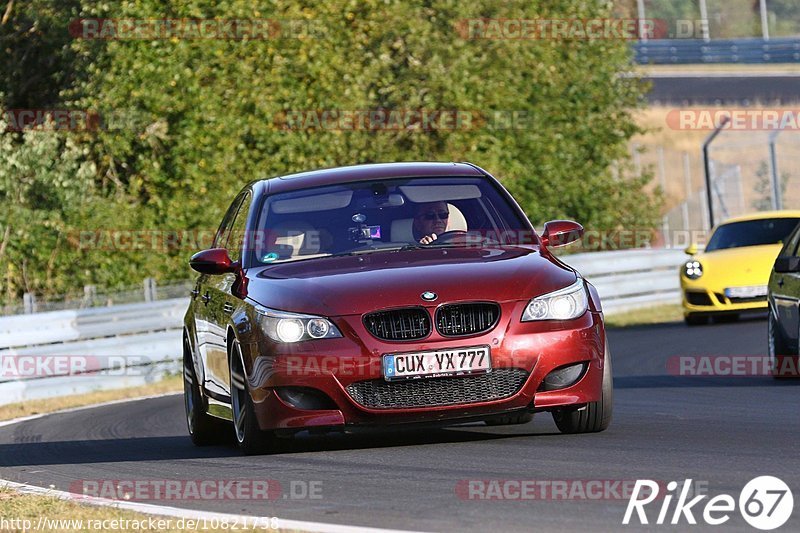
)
(457, 320)
(379, 394)
(407, 324)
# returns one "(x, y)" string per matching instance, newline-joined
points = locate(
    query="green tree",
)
(188, 122)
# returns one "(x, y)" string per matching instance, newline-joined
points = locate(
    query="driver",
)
(430, 221)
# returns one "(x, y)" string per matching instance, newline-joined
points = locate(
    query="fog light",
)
(305, 398)
(563, 377)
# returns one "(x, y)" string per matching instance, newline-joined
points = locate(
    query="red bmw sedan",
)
(388, 294)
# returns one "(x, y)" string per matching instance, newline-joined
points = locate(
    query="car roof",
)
(332, 176)
(761, 215)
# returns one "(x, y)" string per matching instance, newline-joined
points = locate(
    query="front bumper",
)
(337, 367)
(700, 299)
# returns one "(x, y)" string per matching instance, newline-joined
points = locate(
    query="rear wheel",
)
(249, 436)
(596, 416)
(510, 420)
(695, 319)
(204, 429)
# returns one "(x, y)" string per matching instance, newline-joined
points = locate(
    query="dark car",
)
(388, 294)
(783, 324)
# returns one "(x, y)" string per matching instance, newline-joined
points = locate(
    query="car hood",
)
(359, 284)
(735, 267)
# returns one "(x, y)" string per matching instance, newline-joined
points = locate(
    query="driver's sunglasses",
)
(443, 215)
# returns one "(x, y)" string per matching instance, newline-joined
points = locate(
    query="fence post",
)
(777, 196)
(687, 180)
(29, 302)
(149, 289)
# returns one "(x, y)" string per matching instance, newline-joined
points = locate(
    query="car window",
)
(384, 215)
(751, 233)
(792, 248)
(235, 241)
(221, 238)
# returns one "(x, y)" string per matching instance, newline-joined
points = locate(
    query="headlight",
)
(281, 326)
(563, 304)
(692, 269)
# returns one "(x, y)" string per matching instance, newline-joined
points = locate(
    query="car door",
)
(786, 293)
(209, 322)
(222, 302)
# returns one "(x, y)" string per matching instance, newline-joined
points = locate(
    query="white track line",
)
(174, 512)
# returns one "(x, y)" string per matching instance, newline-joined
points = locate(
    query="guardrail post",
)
(29, 302)
(149, 290)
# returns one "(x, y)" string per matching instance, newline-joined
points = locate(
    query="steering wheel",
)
(450, 236)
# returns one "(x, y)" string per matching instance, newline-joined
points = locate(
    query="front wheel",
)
(596, 416)
(249, 436)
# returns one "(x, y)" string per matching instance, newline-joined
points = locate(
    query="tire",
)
(204, 429)
(695, 319)
(776, 345)
(510, 420)
(596, 416)
(250, 439)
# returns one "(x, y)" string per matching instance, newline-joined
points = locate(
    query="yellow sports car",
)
(731, 274)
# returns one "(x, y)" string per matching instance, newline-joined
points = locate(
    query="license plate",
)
(448, 362)
(746, 292)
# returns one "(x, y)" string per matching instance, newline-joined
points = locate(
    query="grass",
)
(16, 410)
(650, 315)
(70, 516)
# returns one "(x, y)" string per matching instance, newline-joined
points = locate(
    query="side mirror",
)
(786, 265)
(691, 249)
(213, 261)
(561, 232)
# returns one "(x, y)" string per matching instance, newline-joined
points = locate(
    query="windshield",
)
(752, 233)
(386, 215)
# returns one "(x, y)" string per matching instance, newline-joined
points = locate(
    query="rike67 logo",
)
(765, 503)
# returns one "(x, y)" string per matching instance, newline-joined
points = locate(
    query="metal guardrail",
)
(93, 323)
(149, 333)
(746, 51)
(631, 279)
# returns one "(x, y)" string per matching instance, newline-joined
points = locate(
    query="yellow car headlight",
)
(693, 269)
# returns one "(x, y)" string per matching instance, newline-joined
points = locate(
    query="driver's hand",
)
(427, 239)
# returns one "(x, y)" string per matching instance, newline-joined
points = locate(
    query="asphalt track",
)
(721, 431)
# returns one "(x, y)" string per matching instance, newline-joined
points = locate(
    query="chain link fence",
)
(744, 167)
